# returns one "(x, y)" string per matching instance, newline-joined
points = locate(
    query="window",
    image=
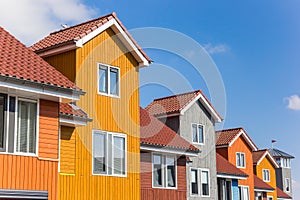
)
(224, 189)
(199, 176)
(286, 162)
(108, 80)
(244, 192)
(278, 160)
(266, 175)
(269, 198)
(287, 185)
(26, 131)
(258, 196)
(109, 153)
(240, 160)
(198, 133)
(164, 171)
(205, 183)
(194, 181)
(18, 125)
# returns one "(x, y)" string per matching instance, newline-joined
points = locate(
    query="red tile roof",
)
(77, 32)
(175, 103)
(71, 110)
(260, 184)
(256, 155)
(155, 133)
(19, 62)
(225, 137)
(225, 167)
(282, 194)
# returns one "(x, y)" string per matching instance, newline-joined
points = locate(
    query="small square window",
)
(108, 80)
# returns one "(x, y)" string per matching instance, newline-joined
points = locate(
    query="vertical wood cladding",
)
(67, 150)
(149, 193)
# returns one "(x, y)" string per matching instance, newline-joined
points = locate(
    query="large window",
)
(244, 192)
(240, 160)
(108, 80)
(18, 125)
(199, 176)
(164, 171)
(109, 153)
(198, 133)
(224, 189)
(266, 175)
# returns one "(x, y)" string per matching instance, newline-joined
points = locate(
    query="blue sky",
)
(254, 44)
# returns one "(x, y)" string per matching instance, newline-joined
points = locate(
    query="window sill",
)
(20, 154)
(112, 175)
(165, 188)
(109, 95)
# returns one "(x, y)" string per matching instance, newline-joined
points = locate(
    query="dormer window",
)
(108, 80)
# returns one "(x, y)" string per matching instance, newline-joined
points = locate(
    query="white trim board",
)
(271, 158)
(250, 143)
(165, 150)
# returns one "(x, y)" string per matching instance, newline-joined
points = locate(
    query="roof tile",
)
(71, 110)
(282, 194)
(260, 184)
(225, 167)
(19, 62)
(154, 132)
(224, 137)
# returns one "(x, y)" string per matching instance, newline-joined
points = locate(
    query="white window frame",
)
(108, 80)
(267, 171)
(287, 180)
(203, 133)
(224, 187)
(164, 173)
(285, 162)
(113, 134)
(21, 98)
(199, 181)
(244, 186)
(240, 153)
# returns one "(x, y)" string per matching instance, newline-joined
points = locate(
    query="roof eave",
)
(73, 121)
(40, 88)
(231, 176)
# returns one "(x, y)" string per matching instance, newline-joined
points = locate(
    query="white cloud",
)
(31, 20)
(214, 49)
(293, 102)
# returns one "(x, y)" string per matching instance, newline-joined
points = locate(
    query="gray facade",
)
(281, 175)
(206, 159)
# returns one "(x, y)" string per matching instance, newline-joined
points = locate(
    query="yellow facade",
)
(267, 164)
(120, 115)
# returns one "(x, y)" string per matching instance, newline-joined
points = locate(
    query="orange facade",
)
(240, 145)
(38, 172)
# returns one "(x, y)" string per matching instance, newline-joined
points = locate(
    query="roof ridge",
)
(82, 23)
(175, 95)
(230, 129)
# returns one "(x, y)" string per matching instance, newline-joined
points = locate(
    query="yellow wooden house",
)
(264, 166)
(99, 159)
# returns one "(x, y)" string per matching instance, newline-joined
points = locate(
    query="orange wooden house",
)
(102, 159)
(30, 94)
(264, 166)
(236, 146)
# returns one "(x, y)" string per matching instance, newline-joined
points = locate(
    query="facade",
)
(236, 146)
(228, 176)
(265, 167)
(192, 116)
(163, 160)
(102, 159)
(284, 172)
(30, 92)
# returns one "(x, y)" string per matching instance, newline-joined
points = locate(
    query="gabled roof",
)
(76, 36)
(279, 153)
(282, 195)
(259, 155)
(156, 134)
(261, 185)
(226, 169)
(229, 136)
(178, 104)
(20, 65)
(71, 115)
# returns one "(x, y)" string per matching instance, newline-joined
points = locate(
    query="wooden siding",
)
(111, 114)
(149, 193)
(35, 173)
(65, 63)
(67, 150)
(266, 164)
(240, 145)
(48, 129)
